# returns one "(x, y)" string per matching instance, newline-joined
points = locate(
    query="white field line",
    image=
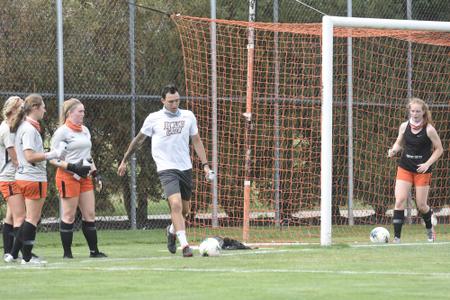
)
(69, 264)
(400, 245)
(236, 270)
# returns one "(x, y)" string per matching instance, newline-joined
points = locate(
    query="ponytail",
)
(33, 100)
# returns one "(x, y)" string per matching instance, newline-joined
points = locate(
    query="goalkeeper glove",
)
(79, 169)
(210, 176)
(98, 181)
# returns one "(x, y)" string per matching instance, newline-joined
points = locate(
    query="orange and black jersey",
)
(417, 149)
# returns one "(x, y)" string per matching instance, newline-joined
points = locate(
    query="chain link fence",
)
(98, 71)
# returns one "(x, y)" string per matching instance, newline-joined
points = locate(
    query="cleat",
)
(171, 241)
(431, 235)
(396, 240)
(68, 256)
(187, 251)
(97, 255)
(34, 261)
(8, 258)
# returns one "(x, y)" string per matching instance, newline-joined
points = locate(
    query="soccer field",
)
(139, 267)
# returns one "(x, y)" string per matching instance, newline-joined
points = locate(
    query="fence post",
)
(131, 6)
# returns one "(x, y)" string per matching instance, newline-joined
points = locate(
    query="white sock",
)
(172, 229)
(181, 235)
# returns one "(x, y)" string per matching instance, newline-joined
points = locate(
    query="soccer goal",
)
(298, 118)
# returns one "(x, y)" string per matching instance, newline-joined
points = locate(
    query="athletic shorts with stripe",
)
(418, 179)
(33, 190)
(68, 186)
(8, 189)
(176, 181)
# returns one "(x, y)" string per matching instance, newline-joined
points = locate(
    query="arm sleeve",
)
(28, 140)
(57, 138)
(7, 139)
(147, 128)
(194, 129)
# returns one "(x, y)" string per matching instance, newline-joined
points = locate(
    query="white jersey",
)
(7, 169)
(170, 133)
(29, 138)
(78, 143)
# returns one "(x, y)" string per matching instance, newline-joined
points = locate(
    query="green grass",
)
(139, 267)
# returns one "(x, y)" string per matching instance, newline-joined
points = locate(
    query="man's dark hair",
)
(170, 88)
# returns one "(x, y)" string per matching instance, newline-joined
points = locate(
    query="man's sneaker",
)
(97, 255)
(8, 258)
(187, 251)
(67, 256)
(171, 241)
(396, 240)
(34, 261)
(431, 235)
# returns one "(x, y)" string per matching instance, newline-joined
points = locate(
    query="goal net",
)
(258, 101)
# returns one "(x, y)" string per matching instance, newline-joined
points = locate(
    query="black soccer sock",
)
(90, 233)
(8, 237)
(427, 218)
(66, 233)
(28, 238)
(399, 217)
(17, 245)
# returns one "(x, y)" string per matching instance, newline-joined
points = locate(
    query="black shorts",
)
(176, 181)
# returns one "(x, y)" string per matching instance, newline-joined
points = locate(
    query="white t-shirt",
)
(78, 143)
(170, 135)
(28, 138)
(7, 169)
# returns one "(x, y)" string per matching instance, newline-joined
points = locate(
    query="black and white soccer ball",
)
(379, 235)
(209, 247)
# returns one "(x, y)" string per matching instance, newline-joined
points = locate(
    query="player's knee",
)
(423, 208)
(176, 208)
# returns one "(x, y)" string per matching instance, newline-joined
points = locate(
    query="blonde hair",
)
(426, 110)
(68, 106)
(32, 100)
(10, 106)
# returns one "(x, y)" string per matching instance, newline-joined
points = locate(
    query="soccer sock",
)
(172, 229)
(8, 237)
(399, 216)
(427, 218)
(17, 245)
(181, 235)
(66, 233)
(90, 233)
(29, 236)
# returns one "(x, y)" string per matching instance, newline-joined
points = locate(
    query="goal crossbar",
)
(328, 24)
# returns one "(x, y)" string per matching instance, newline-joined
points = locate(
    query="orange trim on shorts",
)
(69, 187)
(8, 189)
(418, 179)
(33, 190)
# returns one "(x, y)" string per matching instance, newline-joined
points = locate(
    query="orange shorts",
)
(68, 186)
(9, 188)
(418, 179)
(33, 190)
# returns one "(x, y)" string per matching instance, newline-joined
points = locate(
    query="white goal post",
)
(328, 24)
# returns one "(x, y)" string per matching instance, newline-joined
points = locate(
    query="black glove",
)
(79, 169)
(98, 181)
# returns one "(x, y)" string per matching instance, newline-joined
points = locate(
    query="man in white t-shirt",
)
(170, 130)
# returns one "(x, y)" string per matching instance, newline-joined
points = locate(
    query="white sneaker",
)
(396, 240)
(8, 258)
(34, 261)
